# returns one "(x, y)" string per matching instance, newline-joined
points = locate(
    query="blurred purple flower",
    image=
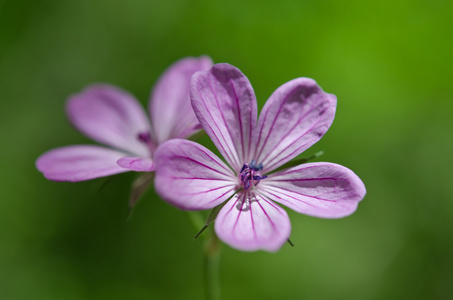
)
(114, 117)
(295, 117)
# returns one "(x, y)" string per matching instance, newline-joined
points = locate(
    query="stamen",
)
(251, 174)
(246, 183)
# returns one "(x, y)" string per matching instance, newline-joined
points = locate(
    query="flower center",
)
(145, 138)
(250, 174)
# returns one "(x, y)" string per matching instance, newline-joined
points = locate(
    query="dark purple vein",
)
(299, 120)
(236, 159)
(236, 98)
(290, 191)
(207, 191)
(272, 126)
(201, 164)
(220, 131)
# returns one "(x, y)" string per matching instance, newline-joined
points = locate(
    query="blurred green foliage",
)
(389, 63)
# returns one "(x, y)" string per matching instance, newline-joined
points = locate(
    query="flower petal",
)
(79, 163)
(191, 177)
(224, 102)
(323, 190)
(295, 117)
(138, 164)
(253, 225)
(171, 113)
(111, 116)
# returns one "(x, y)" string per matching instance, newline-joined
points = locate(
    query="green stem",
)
(211, 266)
(211, 255)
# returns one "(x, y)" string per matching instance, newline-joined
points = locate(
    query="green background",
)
(390, 65)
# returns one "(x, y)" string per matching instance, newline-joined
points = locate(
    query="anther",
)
(251, 174)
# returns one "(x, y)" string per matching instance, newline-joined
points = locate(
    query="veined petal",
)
(253, 224)
(79, 163)
(111, 116)
(191, 177)
(224, 102)
(295, 117)
(171, 113)
(138, 164)
(323, 190)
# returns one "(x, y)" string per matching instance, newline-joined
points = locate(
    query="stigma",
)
(250, 174)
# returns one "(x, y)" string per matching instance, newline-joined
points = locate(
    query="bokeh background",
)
(390, 65)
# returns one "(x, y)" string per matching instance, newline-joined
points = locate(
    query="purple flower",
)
(295, 117)
(114, 117)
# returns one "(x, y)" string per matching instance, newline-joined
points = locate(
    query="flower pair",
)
(191, 177)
